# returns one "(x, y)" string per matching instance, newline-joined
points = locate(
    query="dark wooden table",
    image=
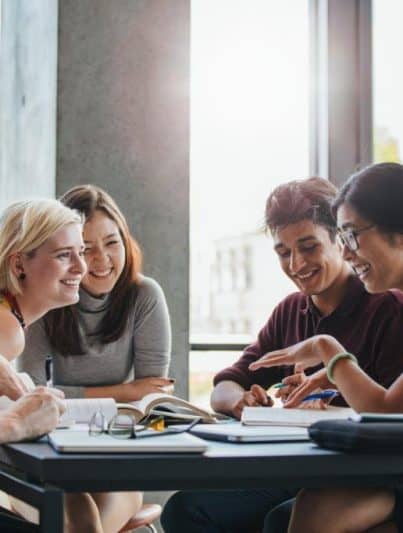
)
(36, 473)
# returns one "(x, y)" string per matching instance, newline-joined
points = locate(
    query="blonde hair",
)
(26, 225)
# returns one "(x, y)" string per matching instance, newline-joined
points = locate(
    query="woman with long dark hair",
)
(370, 226)
(115, 342)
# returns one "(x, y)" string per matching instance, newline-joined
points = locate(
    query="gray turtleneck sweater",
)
(142, 351)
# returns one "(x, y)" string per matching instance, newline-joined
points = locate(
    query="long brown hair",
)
(62, 324)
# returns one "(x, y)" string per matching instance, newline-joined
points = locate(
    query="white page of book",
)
(80, 410)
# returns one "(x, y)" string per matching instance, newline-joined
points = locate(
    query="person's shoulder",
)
(149, 288)
(8, 322)
(288, 308)
(396, 296)
(391, 299)
(12, 339)
(293, 300)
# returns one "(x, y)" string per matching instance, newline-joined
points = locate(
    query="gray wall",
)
(27, 98)
(123, 123)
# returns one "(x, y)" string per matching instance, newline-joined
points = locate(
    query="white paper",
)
(81, 410)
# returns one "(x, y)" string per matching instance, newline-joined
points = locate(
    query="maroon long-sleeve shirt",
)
(368, 325)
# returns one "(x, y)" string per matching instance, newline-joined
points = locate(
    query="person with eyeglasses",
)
(349, 237)
(331, 300)
(370, 221)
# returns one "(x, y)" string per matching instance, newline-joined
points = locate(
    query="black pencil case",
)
(351, 436)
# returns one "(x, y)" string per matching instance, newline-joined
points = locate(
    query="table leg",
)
(51, 511)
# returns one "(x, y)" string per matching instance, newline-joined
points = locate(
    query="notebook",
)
(279, 416)
(73, 441)
(235, 432)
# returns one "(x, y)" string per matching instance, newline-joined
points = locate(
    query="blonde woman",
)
(116, 341)
(41, 267)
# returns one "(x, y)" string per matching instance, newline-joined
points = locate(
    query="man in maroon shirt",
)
(331, 300)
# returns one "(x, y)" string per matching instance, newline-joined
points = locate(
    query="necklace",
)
(14, 307)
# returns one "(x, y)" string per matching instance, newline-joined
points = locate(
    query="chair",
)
(149, 513)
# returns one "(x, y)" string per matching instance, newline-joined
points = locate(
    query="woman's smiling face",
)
(378, 261)
(53, 272)
(105, 254)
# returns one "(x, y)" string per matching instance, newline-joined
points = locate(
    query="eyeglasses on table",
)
(123, 426)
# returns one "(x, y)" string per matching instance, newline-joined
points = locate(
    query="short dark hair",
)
(376, 193)
(302, 199)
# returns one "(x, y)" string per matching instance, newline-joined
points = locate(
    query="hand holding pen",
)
(254, 397)
(288, 385)
(303, 386)
(321, 398)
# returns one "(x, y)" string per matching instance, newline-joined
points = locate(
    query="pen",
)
(324, 395)
(49, 371)
(279, 385)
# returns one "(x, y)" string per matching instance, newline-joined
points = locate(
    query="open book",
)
(81, 409)
(279, 416)
(167, 405)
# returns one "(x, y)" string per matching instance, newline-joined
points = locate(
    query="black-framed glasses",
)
(348, 237)
(123, 426)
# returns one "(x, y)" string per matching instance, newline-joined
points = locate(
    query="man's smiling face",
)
(308, 256)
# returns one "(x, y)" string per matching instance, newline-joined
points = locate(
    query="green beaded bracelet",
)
(331, 364)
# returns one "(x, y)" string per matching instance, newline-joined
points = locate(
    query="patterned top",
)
(10, 301)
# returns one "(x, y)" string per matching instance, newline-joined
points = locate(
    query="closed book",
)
(279, 416)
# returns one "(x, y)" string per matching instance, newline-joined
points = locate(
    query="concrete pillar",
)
(123, 123)
(27, 98)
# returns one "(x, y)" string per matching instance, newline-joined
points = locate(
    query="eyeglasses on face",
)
(348, 237)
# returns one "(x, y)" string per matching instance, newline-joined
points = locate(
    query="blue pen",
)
(324, 395)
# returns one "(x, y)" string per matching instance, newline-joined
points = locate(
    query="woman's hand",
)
(309, 385)
(289, 384)
(10, 383)
(307, 353)
(136, 389)
(133, 390)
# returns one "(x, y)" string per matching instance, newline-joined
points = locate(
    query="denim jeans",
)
(223, 511)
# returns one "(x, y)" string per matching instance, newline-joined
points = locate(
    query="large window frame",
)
(340, 99)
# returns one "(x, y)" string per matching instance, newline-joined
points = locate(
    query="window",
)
(249, 132)
(387, 81)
